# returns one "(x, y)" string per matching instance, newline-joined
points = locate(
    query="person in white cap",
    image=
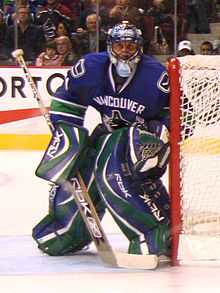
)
(185, 48)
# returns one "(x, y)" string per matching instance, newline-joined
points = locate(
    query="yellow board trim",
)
(24, 141)
(206, 145)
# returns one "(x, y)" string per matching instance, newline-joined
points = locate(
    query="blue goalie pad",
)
(124, 193)
(63, 230)
(64, 153)
(140, 207)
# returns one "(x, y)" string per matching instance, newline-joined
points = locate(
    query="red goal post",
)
(195, 158)
(174, 171)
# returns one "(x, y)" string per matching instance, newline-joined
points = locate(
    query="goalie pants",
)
(140, 208)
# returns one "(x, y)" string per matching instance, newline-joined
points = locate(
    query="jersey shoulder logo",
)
(163, 83)
(78, 68)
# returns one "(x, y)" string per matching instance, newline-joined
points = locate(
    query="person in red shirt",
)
(50, 56)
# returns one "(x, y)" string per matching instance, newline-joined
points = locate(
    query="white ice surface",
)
(24, 269)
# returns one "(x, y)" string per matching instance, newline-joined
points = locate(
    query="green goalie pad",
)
(64, 153)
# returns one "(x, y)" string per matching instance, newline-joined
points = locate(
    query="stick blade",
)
(130, 261)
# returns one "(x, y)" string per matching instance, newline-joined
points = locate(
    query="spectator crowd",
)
(58, 32)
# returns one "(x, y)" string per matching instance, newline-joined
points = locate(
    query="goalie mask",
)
(125, 47)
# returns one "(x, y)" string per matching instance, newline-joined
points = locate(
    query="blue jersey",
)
(143, 96)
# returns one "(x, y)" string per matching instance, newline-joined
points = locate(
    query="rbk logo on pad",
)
(55, 143)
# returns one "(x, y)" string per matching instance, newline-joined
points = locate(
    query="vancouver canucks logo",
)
(163, 83)
(115, 120)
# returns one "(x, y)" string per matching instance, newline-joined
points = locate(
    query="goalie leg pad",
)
(137, 209)
(158, 240)
(64, 153)
(63, 230)
(55, 244)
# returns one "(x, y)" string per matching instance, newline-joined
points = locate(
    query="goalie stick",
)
(84, 203)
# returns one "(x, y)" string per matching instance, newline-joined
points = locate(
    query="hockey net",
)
(195, 158)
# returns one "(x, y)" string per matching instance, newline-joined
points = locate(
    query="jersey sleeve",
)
(70, 101)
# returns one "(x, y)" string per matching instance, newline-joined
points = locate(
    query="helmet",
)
(124, 31)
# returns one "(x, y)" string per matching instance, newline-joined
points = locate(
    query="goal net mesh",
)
(199, 157)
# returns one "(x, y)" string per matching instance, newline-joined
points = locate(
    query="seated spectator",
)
(108, 3)
(74, 6)
(50, 56)
(3, 28)
(182, 25)
(10, 10)
(57, 5)
(158, 45)
(87, 39)
(35, 5)
(206, 48)
(8, 6)
(63, 29)
(50, 15)
(198, 17)
(65, 49)
(124, 10)
(90, 8)
(30, 37)
(163, 19)
(157, 10)
(185, 48)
